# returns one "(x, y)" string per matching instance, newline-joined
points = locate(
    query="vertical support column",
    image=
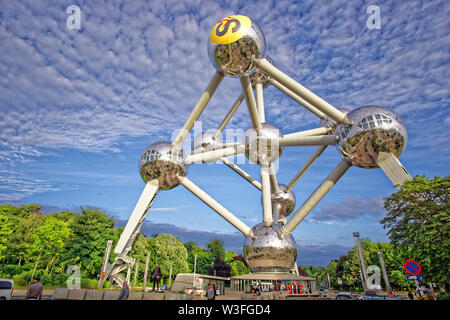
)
(250, 100)
(266, 198)
(144, 282)
(170, 277)
(361, 259)
(104, 264)
(385, 274)
(128, 273)
(260, 102)
(135, 274)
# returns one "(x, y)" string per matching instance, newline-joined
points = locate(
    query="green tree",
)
(6, 228)
(215, 247)
(50, 239)
(238, 268)
(169, 251)
(26, 220)
(204, 259)
(418, 223)
(90, 232)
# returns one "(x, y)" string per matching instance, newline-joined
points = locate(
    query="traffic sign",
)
(415, 278)
(412, 267)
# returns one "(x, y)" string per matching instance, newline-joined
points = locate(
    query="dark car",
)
(343, 296)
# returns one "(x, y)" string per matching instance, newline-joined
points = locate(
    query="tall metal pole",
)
(385, 274)
(135, 274)
(361, 259)
(144, 282)
(170, 277)
(195, 267)
(128, 273)
(105, 262)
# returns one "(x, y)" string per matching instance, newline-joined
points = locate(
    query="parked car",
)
(343, 296)
(6, 289)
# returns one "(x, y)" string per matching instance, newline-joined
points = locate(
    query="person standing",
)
(410, 295)
(34, 292)
(156, 274)
(215, 291)
(125, 292)
(210, 292)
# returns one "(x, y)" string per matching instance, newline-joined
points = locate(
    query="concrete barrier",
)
(94, 295)
(76, 294)
(153, 296)
(135, 295)
(171, 296)
(111, 295)
(60, 294)
(250, 296)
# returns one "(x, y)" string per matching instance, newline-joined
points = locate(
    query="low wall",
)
(88, 294)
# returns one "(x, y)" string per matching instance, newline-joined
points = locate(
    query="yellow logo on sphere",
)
(230, 29)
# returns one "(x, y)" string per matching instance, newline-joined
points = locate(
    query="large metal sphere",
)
(158, 162)
(206, 141)
(264, 147)
(268, 252)
(260, 76)
(328, 122)
(233, 44)
(286, 198)
(375, 129)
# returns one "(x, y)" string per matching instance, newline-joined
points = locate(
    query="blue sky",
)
(79, 106)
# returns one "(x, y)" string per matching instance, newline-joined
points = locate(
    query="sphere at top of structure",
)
(233, 44)
(329, 122)
(268, 251)
(286, 198)
(374, 129)
(159, 162)
(260, 76)
(263, 147)
(206, 141)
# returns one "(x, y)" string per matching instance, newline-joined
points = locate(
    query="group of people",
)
(211, 292)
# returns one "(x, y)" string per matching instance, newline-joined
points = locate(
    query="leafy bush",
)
(22, 279)
(443, 297)
(60, 279)
(84, 283)
(93, 284)
(10, 270)
(106, 284)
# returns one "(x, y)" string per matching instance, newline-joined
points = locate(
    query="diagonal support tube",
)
(137, 217)
(301, 91)
(251, 103)
(266, 198)
(273, 179)
(297, 99)
(211, 156)
(229, 115)
(307, 133)
(197, 111)
(305, 167)
(217, 207)
(317, 195)
(242, 173)
(291, 141)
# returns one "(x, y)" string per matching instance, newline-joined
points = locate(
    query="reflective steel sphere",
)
(260, 76)
(158, 162)
(375, 129)
(286, 198)
(264, 147)
(233, 43)
(328, 122)
(268, 252)
(206, 141)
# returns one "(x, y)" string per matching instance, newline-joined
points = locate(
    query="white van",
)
(6, 289)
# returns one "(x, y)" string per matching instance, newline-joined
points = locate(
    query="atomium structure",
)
(366, 137)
